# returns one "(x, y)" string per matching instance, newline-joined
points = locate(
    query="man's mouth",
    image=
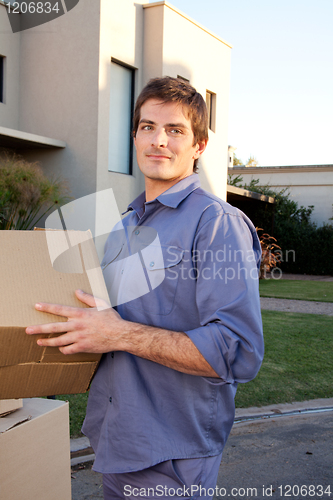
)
(158, 157)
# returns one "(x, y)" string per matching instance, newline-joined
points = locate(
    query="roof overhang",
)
(16, 139)
(240, 193)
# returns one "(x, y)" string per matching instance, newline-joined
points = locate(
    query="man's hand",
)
(86, 329)
(99, 331)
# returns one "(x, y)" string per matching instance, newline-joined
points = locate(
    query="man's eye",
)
(176, 131)
(146, 127)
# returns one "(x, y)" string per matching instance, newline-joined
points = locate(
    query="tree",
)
(237, 161)
(252, 162)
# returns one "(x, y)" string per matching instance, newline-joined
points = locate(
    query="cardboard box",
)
(46, 266)
(9, 405)
(35, 452)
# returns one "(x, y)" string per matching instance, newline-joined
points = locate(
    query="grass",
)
(298, 365)
(298, 362)
(77, 411)
(321, 291)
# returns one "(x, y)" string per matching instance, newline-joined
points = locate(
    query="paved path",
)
(274, 458)
(307, 277)
(299, 306)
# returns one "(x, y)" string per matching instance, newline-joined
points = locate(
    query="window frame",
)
(211, 109)
(2, 78)
(132, 101)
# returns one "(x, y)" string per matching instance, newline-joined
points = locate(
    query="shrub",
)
(305, 248)
(270, 253)
(26, 194)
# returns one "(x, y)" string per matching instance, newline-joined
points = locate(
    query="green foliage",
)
(305, 248)
(234, 181)
(26, 195)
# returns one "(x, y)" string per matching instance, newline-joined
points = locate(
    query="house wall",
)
(121, 36)
(59, 93)
(58, 86)
(308, 185)
(10, 49)
(175, 45)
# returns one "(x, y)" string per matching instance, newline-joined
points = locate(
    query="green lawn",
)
(320, 291)
(298, 365)
(77, 411)
(298, 362)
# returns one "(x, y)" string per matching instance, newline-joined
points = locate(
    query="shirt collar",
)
(170, 198)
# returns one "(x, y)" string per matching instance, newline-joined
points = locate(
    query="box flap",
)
(9, 405)
(12, 420)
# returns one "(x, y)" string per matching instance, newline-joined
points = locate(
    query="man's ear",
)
(199, 149)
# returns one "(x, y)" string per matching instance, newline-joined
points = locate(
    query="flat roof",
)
(167, 4)
(16, 139)
(291, 168)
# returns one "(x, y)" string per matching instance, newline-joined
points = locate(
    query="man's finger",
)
(60, 327)
(61, 341)
(57, 309)
(91, 301)
(70, 349)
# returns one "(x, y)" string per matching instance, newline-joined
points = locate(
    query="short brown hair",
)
(168, 89)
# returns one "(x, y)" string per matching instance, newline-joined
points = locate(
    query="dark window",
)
(2, 77)
(211, 108)
(121, 114)
(183, 78)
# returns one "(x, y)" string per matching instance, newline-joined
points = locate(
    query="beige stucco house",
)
(68, 88)
(307, 184)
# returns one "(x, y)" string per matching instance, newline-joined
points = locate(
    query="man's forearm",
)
(166, 347)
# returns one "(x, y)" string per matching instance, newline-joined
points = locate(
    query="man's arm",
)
(100, 331)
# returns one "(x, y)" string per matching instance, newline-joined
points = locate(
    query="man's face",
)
(164, 142)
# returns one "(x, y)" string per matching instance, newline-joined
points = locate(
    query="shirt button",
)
(112, 354)
(137, 232)
(110, 399)
(152, 264)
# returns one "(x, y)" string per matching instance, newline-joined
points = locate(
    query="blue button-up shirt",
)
(186, 261)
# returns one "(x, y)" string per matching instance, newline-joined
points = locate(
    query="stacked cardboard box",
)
(35, 452)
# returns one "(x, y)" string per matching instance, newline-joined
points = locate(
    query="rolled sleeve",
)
(227, 297)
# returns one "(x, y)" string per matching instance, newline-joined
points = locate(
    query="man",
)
(161, 404)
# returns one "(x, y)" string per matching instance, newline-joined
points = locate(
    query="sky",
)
(281, 85)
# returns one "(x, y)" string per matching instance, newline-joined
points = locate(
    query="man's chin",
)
(157, 173)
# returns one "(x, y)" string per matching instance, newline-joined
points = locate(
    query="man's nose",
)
(160, 138)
